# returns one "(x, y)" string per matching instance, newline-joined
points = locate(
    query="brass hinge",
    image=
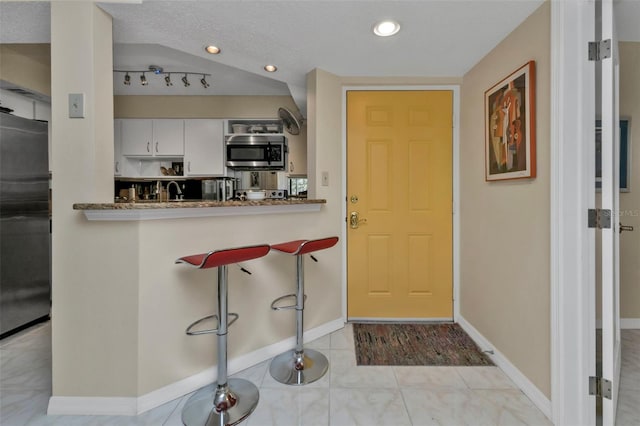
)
(599, 218)
(599, 387)
(599, 50)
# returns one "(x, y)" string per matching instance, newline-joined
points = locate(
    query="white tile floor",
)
(629, 394)
(347, 395)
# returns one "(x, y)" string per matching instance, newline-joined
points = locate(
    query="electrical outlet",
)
(76, 105)
(325, 179)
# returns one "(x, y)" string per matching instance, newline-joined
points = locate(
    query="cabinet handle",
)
(291, 166)
(189, 166)
(117, 167)
(148, 147)
(156, 147)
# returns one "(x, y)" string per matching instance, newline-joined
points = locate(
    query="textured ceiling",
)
(438, 38)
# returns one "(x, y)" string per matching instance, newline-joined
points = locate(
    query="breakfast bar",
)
(147, 300)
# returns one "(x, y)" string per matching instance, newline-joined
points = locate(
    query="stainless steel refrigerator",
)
(25, 251)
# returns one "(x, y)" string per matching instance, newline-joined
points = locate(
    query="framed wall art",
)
(510, 139)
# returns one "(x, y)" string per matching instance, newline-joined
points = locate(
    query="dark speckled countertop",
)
(151, 210)
(146, 205)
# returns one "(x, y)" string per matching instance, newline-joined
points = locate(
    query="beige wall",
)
(630, 201)
(200, 106)
(504, 248)
(27, 66)
(94, 306)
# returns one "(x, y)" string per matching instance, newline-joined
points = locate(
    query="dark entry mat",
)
(416, 344)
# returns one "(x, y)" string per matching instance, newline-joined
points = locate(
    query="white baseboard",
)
(118, 406)
(526, 386)
(625, 323)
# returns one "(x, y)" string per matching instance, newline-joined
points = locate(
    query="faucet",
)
(178, 193)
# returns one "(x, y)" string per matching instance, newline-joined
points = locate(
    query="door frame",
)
(455, 89)
(572, 244)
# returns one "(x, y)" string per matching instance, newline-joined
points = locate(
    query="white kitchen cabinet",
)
(168, 136)
(152, 138)
(118, 160)
(297, 161)
(204, 147)
(137, 137)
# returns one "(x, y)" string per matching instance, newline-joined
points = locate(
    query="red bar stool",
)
(299, 366)
(229, 401)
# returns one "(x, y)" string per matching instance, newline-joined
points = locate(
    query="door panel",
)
(399, 182)
(610, 166)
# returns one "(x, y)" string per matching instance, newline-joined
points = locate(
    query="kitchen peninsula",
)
(148, 300)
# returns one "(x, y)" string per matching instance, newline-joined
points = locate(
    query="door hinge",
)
(599, 387)
(599, 218)
(599, 50)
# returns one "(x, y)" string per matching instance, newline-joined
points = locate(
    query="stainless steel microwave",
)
(256, 152)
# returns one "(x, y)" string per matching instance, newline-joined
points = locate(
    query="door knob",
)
(355, 221)
(625, 228)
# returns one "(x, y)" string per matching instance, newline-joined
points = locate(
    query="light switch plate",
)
(325, 179)
(76, 105)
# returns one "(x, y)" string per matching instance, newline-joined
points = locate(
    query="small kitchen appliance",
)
(222, 189)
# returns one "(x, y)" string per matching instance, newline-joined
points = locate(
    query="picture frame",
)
(510, 138)
(625, 155)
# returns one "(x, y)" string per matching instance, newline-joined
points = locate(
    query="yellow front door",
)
(399, 204)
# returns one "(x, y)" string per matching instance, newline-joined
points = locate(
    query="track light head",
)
(185, 81)
(204, 82)
(143, 80)
(167, 80)
(127, 79)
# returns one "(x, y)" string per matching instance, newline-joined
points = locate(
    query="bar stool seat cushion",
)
(299, 247)
(213, 259)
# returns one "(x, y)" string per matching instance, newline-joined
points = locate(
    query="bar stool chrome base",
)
(293, 368)
(239, 396)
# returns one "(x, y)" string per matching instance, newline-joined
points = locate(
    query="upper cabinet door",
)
(117, 148)
(137, 137)
(297, 155)
(152, 138)
(168, 138)
(204, 147)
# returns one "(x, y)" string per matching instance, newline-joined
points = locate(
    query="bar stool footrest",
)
(281, 298)
(234, 318)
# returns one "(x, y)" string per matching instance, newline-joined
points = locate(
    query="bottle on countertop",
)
(132, 193)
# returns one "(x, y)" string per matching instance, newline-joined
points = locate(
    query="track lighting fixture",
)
(157, 70)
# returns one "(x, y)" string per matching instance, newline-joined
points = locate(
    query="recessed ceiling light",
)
(214, 50)
(270, 68)
(386, 28)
